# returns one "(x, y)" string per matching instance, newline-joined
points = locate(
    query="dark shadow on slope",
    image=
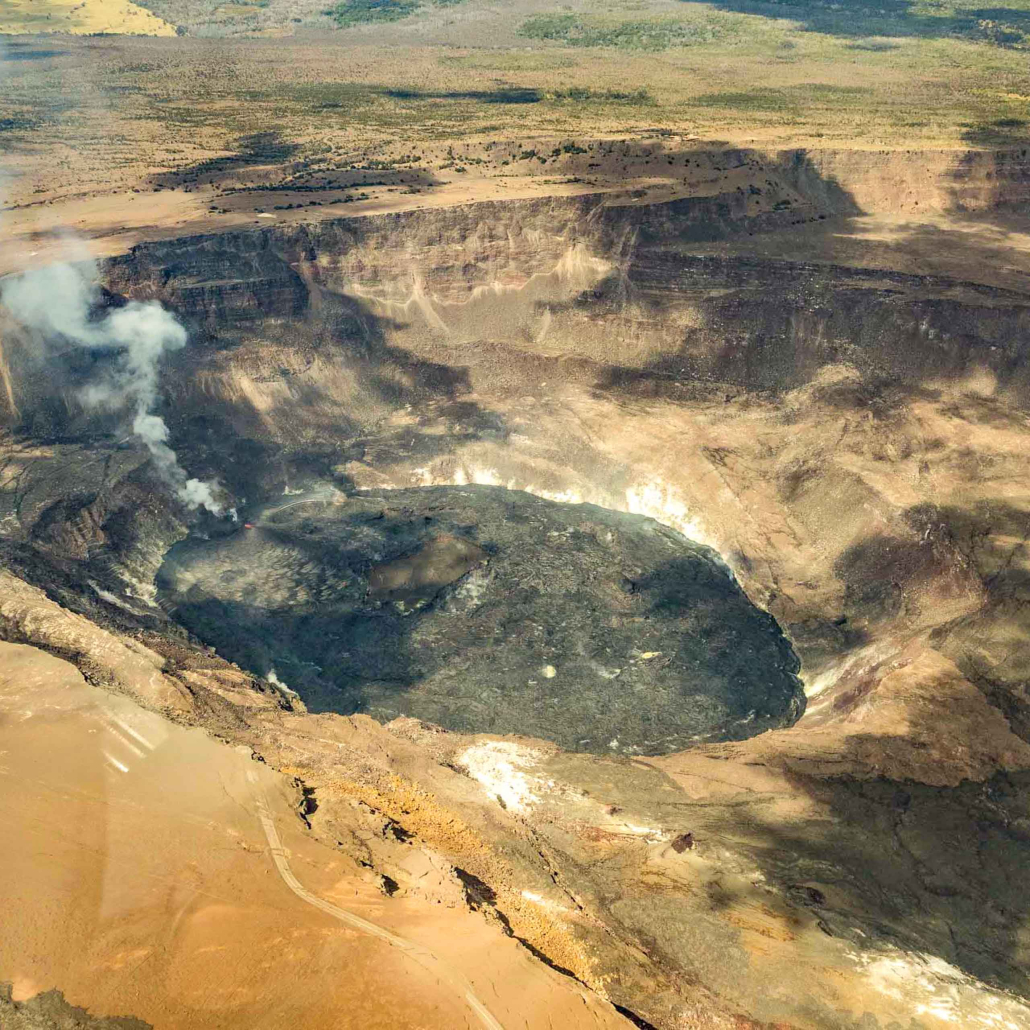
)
(973, 250)
(928, 869)
(879, 571)
(28, 52)
(92, 525)
(997, 26)
(769, 326)
(980, 553)
(771, 202)
(245, 301)
(992, 536)
(18, 123)
(439, 428)
(396, 375)
(1001, 132)
(768, 323)
(501, 95)
(880, 864)
(660, 264)
(257, 453)
(260, 148)
(991, 646)
(97, 513)
(288, 173)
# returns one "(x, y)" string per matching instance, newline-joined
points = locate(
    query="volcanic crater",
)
(483, 609)
(723, 506)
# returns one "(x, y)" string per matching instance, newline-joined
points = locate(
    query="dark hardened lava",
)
(484, 609)
(49, 1010)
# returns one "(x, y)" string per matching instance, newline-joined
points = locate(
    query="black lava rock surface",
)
(483, 609)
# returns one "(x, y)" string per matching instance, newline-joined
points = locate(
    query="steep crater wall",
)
(838, 407)
(763, 373)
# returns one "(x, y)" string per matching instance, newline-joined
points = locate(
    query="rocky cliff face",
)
(825, 390)
(632, 285)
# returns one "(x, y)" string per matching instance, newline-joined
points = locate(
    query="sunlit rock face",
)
(486, 609)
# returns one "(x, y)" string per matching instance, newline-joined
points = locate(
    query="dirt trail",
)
(421, 955)
(136, 879)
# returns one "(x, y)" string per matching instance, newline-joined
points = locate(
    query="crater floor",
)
(484, 609)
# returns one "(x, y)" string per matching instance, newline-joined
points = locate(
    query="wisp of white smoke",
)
(283, 689)
(57, 302)
(4, 178)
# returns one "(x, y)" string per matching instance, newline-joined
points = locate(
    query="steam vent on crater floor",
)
(514, 517)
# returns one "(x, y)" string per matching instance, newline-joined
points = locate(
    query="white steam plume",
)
(4, 177)
(57, 302)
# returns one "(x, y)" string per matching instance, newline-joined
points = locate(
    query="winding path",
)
(423, 956)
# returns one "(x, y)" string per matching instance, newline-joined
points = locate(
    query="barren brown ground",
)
(137, 879)
(123, 137)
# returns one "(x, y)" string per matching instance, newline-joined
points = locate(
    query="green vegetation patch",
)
(1001, 132)
(635, 34)
(770, 100)
(1006, 26)
(361, 12)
